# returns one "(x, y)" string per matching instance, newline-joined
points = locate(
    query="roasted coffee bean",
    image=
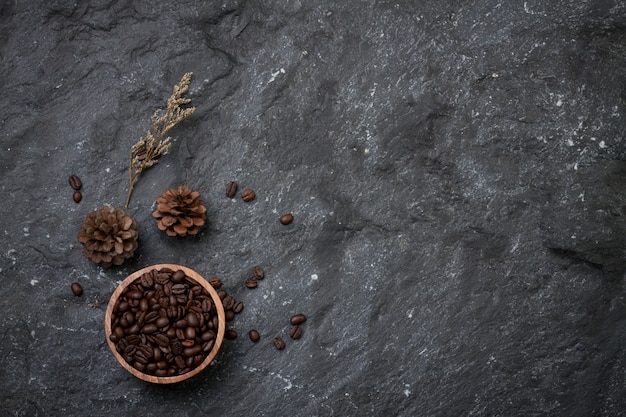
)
(178, 289)
(75, 182)
(254, 335)
(298, 319)
(193, 320)
(229, 315)
(162, 340)
(77, 289)
(222, 294)
(187, 343)
(286, 218)
(295, 332)
(215, 282)
(149, 328)
(248, 195)
(279, 343)
(206, 305)
(77, 196)
(134, 295)
(177, 347)
(162, 321)
(229, 302)
(208, 335)
(251, 283)
(192, 351)
(208, 345)
(178, 276)
(258, 272)
(230, 334)
(152, 316)
(238, 307)
(147, 281)
(231, 189)
(118, 332)
(190, 333)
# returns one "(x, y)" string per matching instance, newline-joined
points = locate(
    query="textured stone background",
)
(456, 171)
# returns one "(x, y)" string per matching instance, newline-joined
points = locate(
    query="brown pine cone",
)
(109, 236)
(180, 212)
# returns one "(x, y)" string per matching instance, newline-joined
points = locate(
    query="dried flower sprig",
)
(147, 150)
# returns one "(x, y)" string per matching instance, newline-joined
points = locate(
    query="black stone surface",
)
(456, 171)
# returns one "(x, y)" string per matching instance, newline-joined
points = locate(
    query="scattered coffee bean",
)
(77, 290)
(238, 307)
(77, 196)
(279, 343)
(258, 272)
(298, 319)
(254, 335)
(286, 218)
(251, 283)
(247, 195)
(295, 332)
(231, 189)
(75, 182)
(230, 334)
(215, 282)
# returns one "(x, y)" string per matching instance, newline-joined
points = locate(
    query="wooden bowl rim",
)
(220, 330)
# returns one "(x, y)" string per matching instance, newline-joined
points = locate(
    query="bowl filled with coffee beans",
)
(165, 323)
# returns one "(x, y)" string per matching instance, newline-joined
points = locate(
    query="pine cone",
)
(109, 236)
(180, 212)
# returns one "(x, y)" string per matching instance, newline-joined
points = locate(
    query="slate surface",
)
(456, 171)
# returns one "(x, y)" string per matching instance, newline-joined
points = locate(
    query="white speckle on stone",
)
(570, 142)
(602, 144)
(26, 231)
(314, 277)
(33, 282)
(366, 151)
(276, 74)
(407, 391)
(409, 313)
(107, 169)
(559, 103)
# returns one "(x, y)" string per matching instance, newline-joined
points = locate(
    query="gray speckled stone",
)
(456, 172)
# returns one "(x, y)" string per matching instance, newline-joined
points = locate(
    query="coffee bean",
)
(248, 195)
(230, 334)
(76, 289)
(254, 335)
(229, 315)
(75, 182)
(238, 307)
(229, 302)
(286, 218)
(149, 328)
(295, 332)
(77, 196)
(258, 272)
(298, 319)
(178, 276)
(251, 283)
(231, 189)
(215, 282)
(161, 322)
(279, 343)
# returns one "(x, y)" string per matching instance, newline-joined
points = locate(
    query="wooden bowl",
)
(219, 336)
